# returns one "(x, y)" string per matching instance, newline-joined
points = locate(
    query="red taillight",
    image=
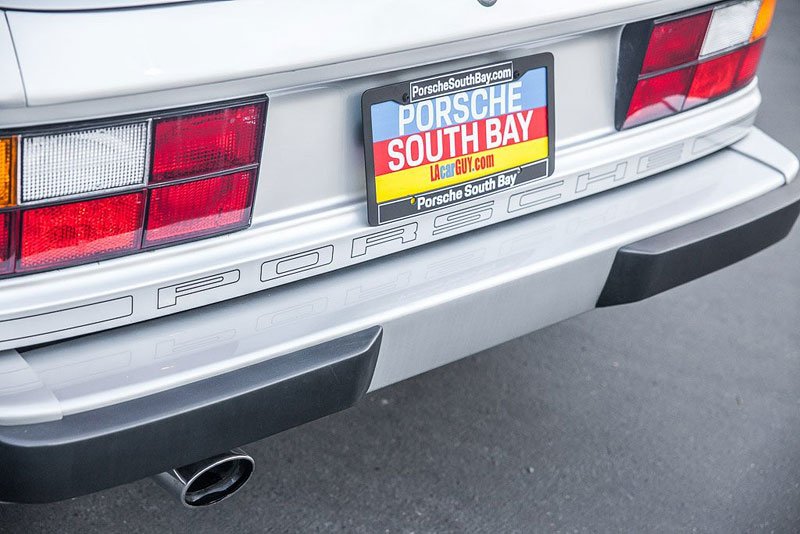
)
(6, 257)
(675, 42)
(750, 61)
(199, 208)
(713, 79)
(86, 193)
(659, 96)
(686, 61)
(87, 230)
(205, 143)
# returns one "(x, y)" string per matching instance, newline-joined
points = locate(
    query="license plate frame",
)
(404, 98)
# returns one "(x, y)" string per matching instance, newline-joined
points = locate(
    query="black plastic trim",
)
(656, 264)
(94, 450)
(632, 49)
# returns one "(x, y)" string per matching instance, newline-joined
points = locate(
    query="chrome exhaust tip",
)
(208, 481)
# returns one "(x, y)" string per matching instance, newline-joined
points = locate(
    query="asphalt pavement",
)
(677, 414)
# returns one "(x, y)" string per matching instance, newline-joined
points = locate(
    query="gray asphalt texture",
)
(678, 414)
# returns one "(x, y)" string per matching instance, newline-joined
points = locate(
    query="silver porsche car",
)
(223, 219)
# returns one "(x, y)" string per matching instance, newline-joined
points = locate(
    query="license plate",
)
(444, 140)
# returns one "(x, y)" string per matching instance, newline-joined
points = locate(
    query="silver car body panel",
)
(304, 264)
(201, 43)
(299, 232)
(435, 304)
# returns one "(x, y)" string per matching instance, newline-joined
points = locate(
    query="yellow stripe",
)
(417, 180)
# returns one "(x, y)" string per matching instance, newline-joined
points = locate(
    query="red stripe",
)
(537, 128)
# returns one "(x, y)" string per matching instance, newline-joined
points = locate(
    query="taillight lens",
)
(8, 170)
(764, 19)
(749, 65)
(83, 161)
(681, 62)
(713, 78)
(675, 42)
(204, 143)
(199, 208)
(95, 192)
(87, 230)
(6, 257)
(660, 96)
(731, 26)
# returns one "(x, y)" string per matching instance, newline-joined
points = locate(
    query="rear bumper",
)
(109, 408)
(672, 258)
(93, 450)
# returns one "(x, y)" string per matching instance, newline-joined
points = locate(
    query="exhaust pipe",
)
(208, 481)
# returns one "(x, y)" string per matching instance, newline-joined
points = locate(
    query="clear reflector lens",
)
(80, 231)
(83, 161)
(204, 143)
(199, 208)
(730, 26)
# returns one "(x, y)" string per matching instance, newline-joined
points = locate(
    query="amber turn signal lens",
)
(763, 20)
(8, 170)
